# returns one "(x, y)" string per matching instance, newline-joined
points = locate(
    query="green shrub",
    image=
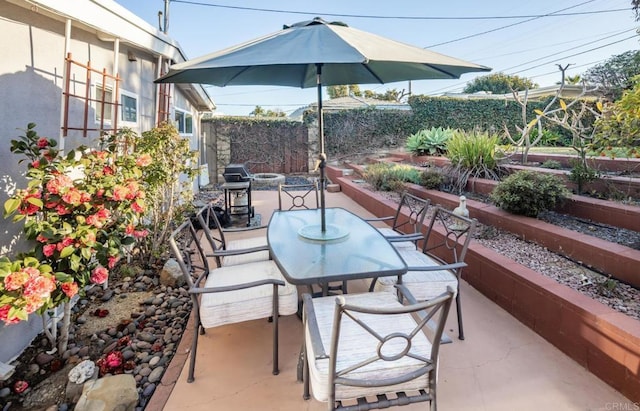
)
(582, 174)
(390, 176)
(432, 179)
(432, 142)
(552, 164)
(529, 193)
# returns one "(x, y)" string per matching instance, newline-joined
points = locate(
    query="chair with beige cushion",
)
(298, 196)
(232, 246)
(406, 223)
(230, 294)
(304, 196)
(370, 351)
(438, 265)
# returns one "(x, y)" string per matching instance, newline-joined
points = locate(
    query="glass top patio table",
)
(360, 252)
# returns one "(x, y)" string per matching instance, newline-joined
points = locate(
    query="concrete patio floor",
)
(501, 365)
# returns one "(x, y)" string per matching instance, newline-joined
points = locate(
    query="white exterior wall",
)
(31, 86)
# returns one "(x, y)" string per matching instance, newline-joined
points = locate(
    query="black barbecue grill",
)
(237, 182)
(236, 173)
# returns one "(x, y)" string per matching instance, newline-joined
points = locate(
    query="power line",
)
(371, 16)
(575, 54)
(553, 54)
(508, 25)
(573, 48)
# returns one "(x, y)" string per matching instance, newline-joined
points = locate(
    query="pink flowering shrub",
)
(81, 210)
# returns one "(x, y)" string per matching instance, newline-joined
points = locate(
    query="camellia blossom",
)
(27, 207)
(48, 250)
(113, 260)
(59, 183)
(43, 143)
(40, 286)
(138, 206)
(144, 160)
(70, 289)
(66, 242)
(99, 275)
(16, 280)
(72, 197)
(120, 193)
(4, 315)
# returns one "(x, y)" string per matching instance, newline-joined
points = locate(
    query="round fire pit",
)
(267, 180)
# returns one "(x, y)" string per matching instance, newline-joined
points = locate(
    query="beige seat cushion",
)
(247, 304)
(249, 257)
(356, 344)
(424, 285)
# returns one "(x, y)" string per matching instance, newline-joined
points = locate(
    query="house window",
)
(129, 112)
(108, 98)
(128, 106)
(184, 122)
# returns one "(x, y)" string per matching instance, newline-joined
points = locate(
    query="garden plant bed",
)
(135, 315)
(603, 340)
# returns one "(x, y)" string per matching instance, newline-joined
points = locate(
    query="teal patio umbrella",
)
(318, 53)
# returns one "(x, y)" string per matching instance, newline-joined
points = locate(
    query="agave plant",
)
(432, 142)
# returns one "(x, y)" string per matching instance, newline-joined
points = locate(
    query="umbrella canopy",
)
(316, 53)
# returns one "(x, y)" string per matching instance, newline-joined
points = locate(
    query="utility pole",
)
(166, 16)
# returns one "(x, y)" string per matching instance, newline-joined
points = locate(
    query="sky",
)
(514, 41)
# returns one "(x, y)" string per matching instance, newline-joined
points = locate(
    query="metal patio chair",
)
(296, 196)
(227, 251)
(370, 351)
(230, 294)
(438, 265)
(304, 196)
(405, 231)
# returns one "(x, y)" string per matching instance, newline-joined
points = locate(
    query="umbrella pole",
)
(322, 157)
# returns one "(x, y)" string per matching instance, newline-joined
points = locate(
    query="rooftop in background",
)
(350, 102)
(569, 91)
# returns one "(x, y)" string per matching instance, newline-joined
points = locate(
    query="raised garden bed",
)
(601, 339)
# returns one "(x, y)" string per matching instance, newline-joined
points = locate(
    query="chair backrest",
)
(212, 229)
(395, 337)
(295, 196)
(416, 208)
(189, 253)
(450, 247)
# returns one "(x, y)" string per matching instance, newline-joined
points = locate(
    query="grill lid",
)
(234, 173)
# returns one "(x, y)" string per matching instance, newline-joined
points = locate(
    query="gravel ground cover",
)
(609, 291)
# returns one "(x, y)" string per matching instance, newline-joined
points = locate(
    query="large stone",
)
(111, 393)
(82, 372)
(171, 275)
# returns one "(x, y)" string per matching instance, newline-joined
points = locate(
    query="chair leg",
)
(305, 373)
(459, 311)
(194, 348)
(276, 312)
(433, 383)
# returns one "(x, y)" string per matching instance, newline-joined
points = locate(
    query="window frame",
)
(97, 87)
(186, 114)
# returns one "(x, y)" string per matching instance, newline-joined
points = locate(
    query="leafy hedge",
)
(260, 141)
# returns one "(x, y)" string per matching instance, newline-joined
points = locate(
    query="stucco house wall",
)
(37, 34)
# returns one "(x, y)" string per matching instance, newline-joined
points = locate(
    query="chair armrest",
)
(404, 292)
(404, 237)
(207, 290)
(379, 218)
(309, 318)
(453, 266)
(239, 251)
(243, 229)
